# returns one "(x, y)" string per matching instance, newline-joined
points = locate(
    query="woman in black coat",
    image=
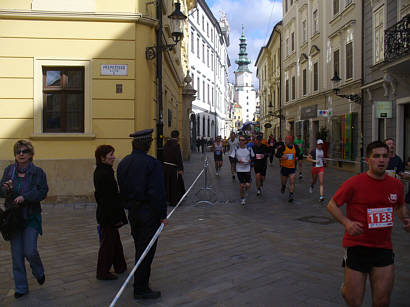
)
(110, 215)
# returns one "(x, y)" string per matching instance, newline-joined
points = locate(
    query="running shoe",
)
(258, 193)
(217, 173)
(291, 197)
(243, 201)
(282, 189)
(300, 176)
(311, 189)
(233, 177)
(322, 198)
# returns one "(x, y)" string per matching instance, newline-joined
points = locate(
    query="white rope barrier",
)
(154, 238)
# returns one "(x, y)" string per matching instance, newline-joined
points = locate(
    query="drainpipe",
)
(160, 123)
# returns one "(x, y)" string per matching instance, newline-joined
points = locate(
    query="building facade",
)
(268, 73)
(321, 39)
(386, 67)
(74, 75)
(209, 63)
(245, 93)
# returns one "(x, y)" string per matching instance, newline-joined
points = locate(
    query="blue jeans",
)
(24, 245)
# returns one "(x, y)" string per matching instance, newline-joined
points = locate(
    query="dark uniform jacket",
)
(261, 149)
(141, 178)
(109, 209)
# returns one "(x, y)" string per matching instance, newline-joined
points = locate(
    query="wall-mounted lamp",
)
(352, 97)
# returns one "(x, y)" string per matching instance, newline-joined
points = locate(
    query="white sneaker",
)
(258, 192)
(243, 201)
(311, 189)
(217, 173)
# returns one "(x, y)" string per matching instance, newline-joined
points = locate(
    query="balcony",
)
(397, 40)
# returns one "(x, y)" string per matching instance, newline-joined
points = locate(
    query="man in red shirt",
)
(371, 198)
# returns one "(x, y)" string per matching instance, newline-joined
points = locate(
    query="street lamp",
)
(355, 99)
(177, 26)
(177, 23)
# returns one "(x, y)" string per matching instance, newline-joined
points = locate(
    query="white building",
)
(209, 63)
(245, 93)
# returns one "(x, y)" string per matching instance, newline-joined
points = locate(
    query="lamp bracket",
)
(151, 52)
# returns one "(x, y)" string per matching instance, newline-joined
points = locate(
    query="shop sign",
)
(324, 113)
(384, 109)
(308, 112)
(114, 70)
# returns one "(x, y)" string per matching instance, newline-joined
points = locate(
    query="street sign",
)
(384, 109)
(114, 70)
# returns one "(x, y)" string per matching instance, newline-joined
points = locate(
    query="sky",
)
(258, 18)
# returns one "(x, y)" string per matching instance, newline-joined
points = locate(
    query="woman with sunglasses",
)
(25, 185)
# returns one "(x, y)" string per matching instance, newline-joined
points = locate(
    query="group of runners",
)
(371, 198)
(246, 153)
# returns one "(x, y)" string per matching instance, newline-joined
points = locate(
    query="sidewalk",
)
(269, 253)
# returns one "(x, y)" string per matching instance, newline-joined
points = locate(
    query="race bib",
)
(259, 156)
(290, 156)
(380, 217)
(218, 152)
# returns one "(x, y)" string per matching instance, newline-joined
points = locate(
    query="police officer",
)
(142, 190)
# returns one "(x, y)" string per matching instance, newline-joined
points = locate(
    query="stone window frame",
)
(39, 63)
(376, 10)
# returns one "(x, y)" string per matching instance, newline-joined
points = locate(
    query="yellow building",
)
(74, 75)
(237, 116)
(268, 73)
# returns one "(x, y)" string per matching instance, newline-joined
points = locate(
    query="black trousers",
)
(144, 223)
(111, 252)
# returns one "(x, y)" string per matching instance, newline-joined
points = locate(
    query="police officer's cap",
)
(142, 134)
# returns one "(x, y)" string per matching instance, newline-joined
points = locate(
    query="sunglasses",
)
(23, 151)
(242, 140)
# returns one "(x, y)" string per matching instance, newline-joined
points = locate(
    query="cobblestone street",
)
(268, 253)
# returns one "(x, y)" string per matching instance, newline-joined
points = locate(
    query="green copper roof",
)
(243, 60)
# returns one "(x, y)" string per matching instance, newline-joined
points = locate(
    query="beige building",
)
(319, 39)
(237, 116)
(268, 72)
(76, 74)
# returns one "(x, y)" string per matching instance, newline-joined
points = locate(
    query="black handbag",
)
(11, 220)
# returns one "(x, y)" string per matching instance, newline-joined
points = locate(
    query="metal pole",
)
(160, 124)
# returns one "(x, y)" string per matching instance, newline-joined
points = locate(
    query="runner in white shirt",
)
(218, 150)
(233, 145)
(318, 168)
(243, 157)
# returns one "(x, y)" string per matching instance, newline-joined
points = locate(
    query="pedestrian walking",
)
(272, 144)
(396, 165)
(198, 144)
(24, 186)
(316, 156)
(299, 145)
(142, 190)
(370, 199)
(260, 164)
(173, 170)
(110, 215)
(288, 155)
(233, 145)
(203, 143)
(218, 150)
(243, 157)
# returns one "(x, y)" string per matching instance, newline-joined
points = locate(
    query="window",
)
(315, 22)
(198, 125)
(203, 91)
(347, 2)
(197, 47)
(349, 60)
(212, 35)
(198, 85)
(304, 82)
(291, 2)
(169, 118)
(287, 90)
(197, 16)
(335, 7)
(378, 18)
(203, 53)
(63, 99)
(208, 127)
(286, 5)
(287, 47)
(203, 23)
(207, 57)
(212, 61)
(304, 31)
(315, 76)
(207, 29)
(293, 88)
(209, 96)
(203, 126)
(192, 42)
(336, 69)
(293, 40)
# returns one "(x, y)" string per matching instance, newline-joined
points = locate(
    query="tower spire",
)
(243, 60)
